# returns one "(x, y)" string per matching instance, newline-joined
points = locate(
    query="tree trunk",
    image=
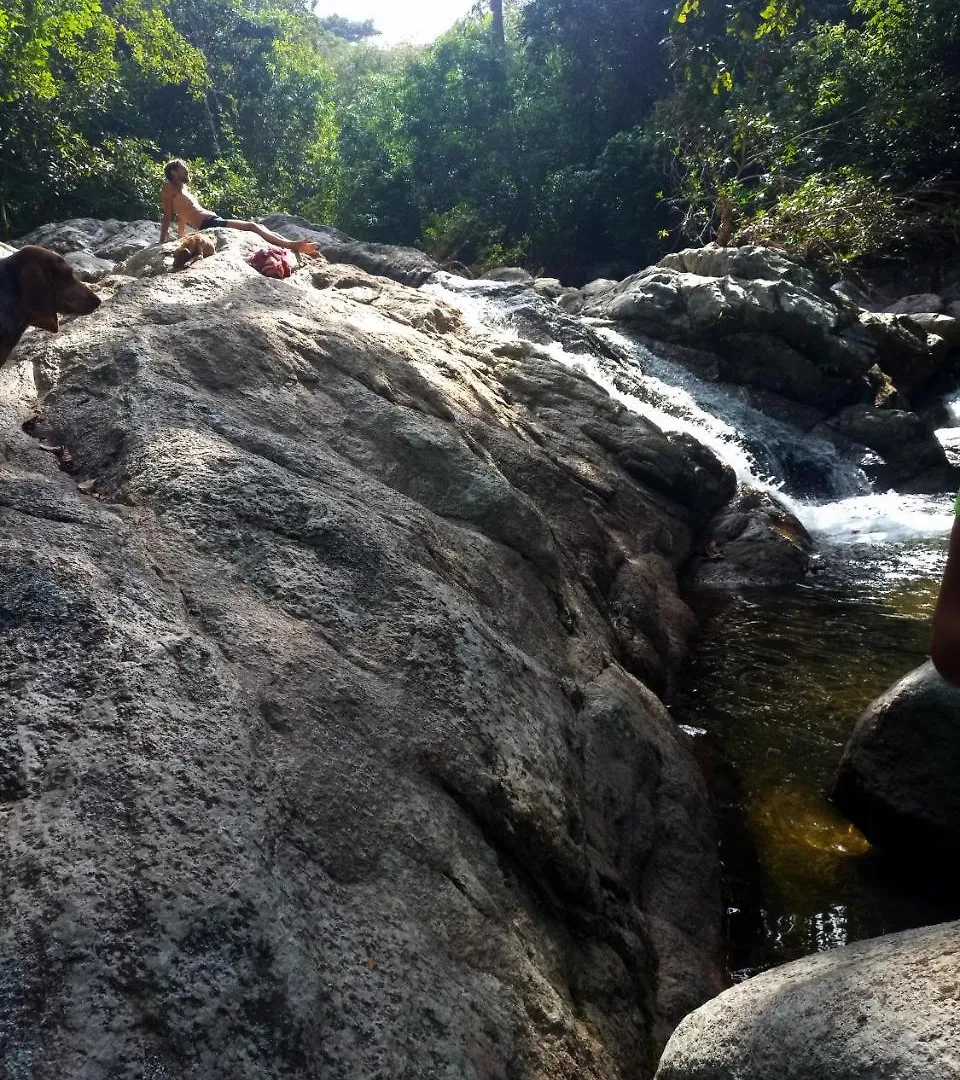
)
(496, 7)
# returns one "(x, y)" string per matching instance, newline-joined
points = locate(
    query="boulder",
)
(409, 266)
(598, 286)
(912, 459)
(508, 273)
(904, 349)
(916, 303)
(88, 267)
(701, 296)
(133, 237)
(571, 301)
(854, 292)
(750, 263)
(325, 650)
(549, 287)
(754, 540)
(764, 362)
(943, 326)
(899, 777)
(883, 1009)
(76, 234)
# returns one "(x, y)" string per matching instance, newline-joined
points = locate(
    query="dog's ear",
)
(36, 293)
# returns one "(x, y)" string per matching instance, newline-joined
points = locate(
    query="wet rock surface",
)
(330, 741)
(754, 540)
(775, 328)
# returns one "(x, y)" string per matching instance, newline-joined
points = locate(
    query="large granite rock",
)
(329, 746)
(117, 241)
(899, 778)
(77, 234)
(884, 1009)
(133, 237)
(705, 295)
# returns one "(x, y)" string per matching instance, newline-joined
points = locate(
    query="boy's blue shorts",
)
(214, 221)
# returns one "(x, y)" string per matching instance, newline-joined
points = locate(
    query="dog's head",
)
(48, 287)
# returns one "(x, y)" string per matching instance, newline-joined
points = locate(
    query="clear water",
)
(780, 676)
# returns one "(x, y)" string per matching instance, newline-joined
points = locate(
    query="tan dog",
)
(192, 248)
(35, 285)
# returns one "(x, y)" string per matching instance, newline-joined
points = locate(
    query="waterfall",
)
(828, 492)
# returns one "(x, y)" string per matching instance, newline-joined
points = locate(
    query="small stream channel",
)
(780, 676)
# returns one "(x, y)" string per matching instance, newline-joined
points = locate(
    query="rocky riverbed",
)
(336, 635)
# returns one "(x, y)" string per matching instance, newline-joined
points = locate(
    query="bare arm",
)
(167, 214)
(945, 643)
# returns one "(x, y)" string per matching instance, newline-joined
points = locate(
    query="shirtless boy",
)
(178, 201)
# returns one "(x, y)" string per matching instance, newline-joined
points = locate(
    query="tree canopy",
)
(567, 134)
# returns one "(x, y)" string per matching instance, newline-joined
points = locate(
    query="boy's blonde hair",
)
(176, 164)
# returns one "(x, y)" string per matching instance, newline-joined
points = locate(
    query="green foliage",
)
(348, 29)
(592, 132)
(812, 133)
(831, 218)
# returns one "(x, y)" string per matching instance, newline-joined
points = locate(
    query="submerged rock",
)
(327, 654)
(884, 1009)
(899, 777)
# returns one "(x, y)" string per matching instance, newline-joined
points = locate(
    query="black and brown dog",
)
(35, 286)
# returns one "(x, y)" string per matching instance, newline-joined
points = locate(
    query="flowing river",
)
(780, 676)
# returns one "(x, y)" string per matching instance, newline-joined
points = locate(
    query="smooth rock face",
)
(77, 234)
(325, 750)
(88, 267)
(133, 237)
(916, 303)
(899, 778)
(884, 1009)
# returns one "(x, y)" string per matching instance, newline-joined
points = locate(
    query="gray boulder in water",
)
(899, 777)
(329, 744)
(884, 1009)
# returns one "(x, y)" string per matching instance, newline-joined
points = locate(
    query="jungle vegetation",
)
(567, 135)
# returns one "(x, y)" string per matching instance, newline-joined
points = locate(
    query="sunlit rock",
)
(886, 1008)
(330, 636)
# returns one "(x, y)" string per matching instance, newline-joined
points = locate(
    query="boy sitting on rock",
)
(178, 201)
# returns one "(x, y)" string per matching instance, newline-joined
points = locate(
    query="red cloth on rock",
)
(273, 262)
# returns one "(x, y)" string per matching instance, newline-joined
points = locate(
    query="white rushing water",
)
(828, 493)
